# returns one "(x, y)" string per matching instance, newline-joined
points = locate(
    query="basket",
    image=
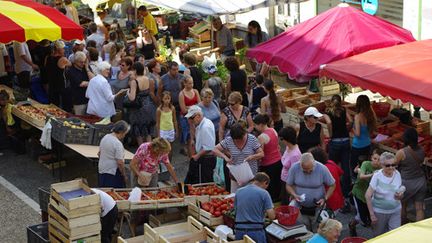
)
(381, 109)
(353, 240)
(65, 134)
(287, 215)
(37, 233)
(100, 131)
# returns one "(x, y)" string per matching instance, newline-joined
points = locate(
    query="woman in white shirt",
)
(99, 93)
(109, 213)
(383, 196)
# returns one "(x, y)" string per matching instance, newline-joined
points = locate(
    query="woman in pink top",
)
(292, 154)
(271, 162)
(145, 163)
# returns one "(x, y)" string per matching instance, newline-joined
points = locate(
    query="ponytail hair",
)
(274, 104)
(335, 108)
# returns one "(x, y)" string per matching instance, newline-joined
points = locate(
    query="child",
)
(166, 121)
(365, 174)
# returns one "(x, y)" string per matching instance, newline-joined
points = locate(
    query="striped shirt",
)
(238, 155)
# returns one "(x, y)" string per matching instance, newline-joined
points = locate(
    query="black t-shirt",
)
(75, 77)
(197, 78)
(307, 139)
(339, 128)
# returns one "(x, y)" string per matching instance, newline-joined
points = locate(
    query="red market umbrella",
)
(340, 32)
(23, 20)
(401, 72)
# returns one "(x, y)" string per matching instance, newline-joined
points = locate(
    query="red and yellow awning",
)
(23, 20)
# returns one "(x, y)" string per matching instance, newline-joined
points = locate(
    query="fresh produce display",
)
(124, 195)
(218, 206)
(32, 112)
(53, 111)
(211, 190)
(115, 196)
(75, 124)
(156, 195)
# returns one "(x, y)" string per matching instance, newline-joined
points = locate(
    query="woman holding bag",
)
(242, 147)
(146, 160)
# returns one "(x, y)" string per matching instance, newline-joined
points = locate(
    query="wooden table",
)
(91, 151)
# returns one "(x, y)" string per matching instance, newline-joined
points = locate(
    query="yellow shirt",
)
(166, 121)
(150, 23)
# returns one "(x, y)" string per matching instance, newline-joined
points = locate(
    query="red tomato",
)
(217, 214)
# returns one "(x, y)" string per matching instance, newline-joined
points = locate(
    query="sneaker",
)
(352, 228)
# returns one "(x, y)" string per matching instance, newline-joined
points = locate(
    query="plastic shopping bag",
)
(135, 195)
(241, 172)
(218, 173)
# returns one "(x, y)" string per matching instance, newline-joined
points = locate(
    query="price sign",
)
(370, 6)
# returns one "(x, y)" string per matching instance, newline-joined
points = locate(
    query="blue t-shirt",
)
(212, 113)
(251, 203)
(317, 238)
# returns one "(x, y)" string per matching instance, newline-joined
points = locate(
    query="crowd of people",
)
(240, 122)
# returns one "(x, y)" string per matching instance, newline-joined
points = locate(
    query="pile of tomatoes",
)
(115, 196)
(155, 195)
(211, 190)
(124, 195)
(218, 206)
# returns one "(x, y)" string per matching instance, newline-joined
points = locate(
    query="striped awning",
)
(23, 20)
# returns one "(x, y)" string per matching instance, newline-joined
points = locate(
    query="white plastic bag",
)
(241, 172)
(135, 195)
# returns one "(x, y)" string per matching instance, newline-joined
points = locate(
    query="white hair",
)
(79, 56)
(306, 157)
(103, 66)
(328, 225)
(386, 156)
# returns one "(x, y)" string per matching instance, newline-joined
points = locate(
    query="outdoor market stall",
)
(340, 32)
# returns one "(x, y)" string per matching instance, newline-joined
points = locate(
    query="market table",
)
(91, 151)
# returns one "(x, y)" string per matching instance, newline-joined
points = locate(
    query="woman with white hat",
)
(309, 132)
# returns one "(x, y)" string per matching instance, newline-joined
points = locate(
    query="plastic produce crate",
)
(37, 233)
(68, 134)
(44, 196)
(100, 131)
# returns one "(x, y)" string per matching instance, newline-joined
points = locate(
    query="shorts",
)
(168, 135)
(416, 189)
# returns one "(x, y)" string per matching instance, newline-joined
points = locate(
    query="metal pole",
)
(211, 33)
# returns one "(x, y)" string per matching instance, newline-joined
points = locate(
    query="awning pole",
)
(211, 33)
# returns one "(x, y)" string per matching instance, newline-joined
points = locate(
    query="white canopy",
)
(214, 7)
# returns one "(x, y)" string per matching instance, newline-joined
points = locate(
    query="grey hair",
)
(327, 226)
(103, 66)
(79, 56)
(120, 127)
(206, 92)
(306, 157)
(386, 156)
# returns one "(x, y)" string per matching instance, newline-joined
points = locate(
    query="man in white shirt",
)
(23, 64)
(108, 215)
(203, 160)
(99, 38)
(99, 93)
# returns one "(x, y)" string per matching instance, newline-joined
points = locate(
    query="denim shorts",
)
(185, 134)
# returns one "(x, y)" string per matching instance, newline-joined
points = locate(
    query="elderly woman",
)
(234, 113)
(383, 196)
(410, 160)
(79, 75)
(328, 231)
(309, 132)
(241, 147)
(111, 157)
(147, 159)
(99, 93)
(210, 108)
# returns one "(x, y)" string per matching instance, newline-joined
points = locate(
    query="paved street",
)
(27, 175)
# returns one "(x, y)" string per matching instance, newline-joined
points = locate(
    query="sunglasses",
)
(390, 165)
(192, 117)
(232, 104)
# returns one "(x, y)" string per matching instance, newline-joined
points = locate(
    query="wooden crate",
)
(330, 89)
(72, 223)
(74, 213)
(90, 199)
(138, 239)
(423, 127)
(56, 238)
(165, 203)
(246, 239)
(203, 236)
(154, 234)
(57, 230)
(25, 117)
(204, 216)
(167, 218)
(123, 204)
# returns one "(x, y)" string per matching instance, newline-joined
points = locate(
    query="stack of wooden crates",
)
(201, 34)
(74, 213)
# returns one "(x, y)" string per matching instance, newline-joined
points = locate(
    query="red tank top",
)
(190, 101)
(271, 149)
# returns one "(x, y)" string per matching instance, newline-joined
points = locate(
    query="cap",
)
(79, 42)
(193, 110)
(211, 69)
(312, 111)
